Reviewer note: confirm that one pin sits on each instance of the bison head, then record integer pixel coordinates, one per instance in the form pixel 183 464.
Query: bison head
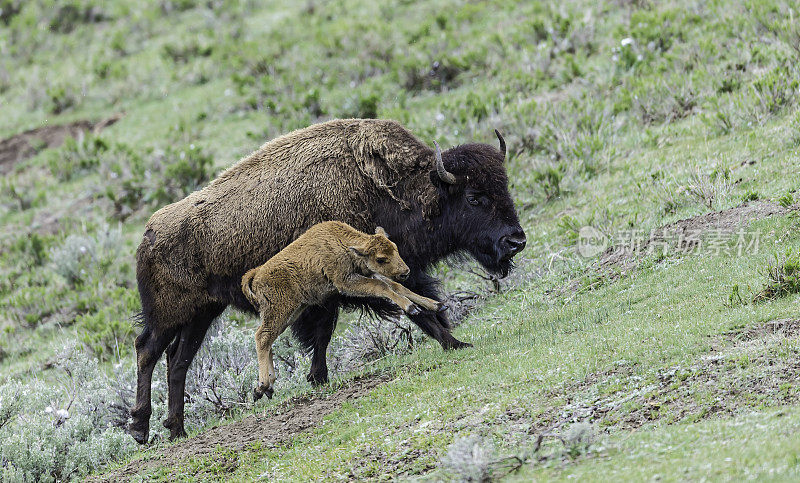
pixel 476 208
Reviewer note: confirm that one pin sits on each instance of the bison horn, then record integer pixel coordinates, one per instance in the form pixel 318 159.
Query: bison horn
pixel 502 143
pixel 444 175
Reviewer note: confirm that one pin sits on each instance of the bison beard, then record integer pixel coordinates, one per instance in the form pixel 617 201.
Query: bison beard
pixel 362 172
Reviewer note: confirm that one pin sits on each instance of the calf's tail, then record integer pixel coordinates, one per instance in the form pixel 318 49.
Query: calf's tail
pixel 247 287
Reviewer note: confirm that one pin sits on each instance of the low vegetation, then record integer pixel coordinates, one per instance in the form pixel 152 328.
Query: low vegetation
pixel 783 277
pixel 620 117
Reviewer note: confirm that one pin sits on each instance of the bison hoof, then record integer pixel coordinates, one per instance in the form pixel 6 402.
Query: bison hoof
pixel 261 391
pixel 413 309
pixel 175 427
pixel 317 379
pixel 139 434
pixel 457 344
pixel 175 433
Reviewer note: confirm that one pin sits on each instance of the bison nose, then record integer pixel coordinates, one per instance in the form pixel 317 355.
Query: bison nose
pixel 515 242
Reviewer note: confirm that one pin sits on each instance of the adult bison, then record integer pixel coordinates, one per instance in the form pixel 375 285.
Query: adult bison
pixel 366 173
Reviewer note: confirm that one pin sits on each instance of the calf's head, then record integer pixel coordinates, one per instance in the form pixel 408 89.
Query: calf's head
pixel 477 212
pixel 379 255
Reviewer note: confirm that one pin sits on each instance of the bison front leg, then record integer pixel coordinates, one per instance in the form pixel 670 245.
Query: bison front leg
pixel 314 328
pixel 434 325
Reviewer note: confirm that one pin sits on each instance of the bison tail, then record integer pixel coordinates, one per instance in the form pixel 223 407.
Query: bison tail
pixel 138 319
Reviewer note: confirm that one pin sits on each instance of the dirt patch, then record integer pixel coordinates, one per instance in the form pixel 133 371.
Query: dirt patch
pixel 24 145
pixel 785 327
pixel 746 369
pixel 712 231
pixel 271 430
pixel 686 235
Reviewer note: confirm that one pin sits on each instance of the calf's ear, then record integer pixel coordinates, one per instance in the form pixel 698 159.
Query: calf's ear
pixel 358 251
pixel 380 231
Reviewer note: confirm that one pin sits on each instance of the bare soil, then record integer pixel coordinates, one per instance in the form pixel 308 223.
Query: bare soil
pixel 270 429
pixel 24 145
pixel 684 235
pixel 744 370
pixel 784 327
pixel 674 239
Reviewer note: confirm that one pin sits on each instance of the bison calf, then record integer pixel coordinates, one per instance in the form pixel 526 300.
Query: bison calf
pixel 330 257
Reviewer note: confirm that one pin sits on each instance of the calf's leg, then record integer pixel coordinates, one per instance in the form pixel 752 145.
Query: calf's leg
pixel 425 302
pixel 265 337
pixel 360 286
pixel 274 321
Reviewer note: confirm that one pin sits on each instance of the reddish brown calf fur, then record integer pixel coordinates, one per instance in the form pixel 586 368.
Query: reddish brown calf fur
pixel 330 257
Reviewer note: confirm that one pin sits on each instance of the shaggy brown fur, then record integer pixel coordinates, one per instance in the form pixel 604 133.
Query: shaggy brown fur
pixel 222 231
pixel 330 257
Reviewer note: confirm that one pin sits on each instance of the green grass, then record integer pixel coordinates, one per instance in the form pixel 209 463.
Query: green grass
pixel 720 449
pixel 697 112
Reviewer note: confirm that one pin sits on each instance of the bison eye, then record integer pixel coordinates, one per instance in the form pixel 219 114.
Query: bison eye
pixel 474 199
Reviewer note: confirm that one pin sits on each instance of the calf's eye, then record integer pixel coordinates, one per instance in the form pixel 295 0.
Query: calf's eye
pixel 382 260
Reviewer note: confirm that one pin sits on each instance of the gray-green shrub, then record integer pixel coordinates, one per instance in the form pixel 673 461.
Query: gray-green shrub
pixel 76 156
pixel 59 431
pixel 577 439
pixel 82 257
pixel 469 458
pixel 223 373
pixel 783 277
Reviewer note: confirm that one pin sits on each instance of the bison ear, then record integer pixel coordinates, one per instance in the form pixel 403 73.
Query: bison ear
pixel 380 231
pixel 358 251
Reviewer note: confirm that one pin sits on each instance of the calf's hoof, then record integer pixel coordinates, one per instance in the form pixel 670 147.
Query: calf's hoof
pixel 442 307
pixel 262 390
pixel 413 309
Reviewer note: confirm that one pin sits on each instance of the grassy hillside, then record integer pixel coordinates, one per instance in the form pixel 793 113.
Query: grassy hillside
pixel 676 359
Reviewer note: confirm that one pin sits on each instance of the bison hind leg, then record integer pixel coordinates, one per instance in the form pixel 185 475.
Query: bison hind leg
pixel 179 358
pixel 150 344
